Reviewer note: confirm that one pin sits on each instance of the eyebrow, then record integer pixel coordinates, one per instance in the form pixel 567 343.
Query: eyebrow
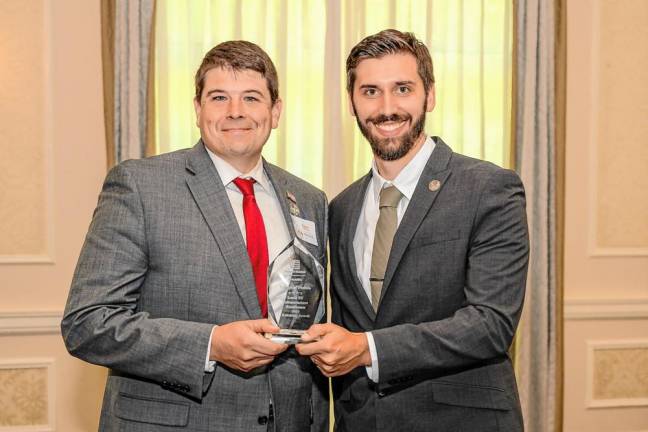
pixel 210 92
pixel 397 83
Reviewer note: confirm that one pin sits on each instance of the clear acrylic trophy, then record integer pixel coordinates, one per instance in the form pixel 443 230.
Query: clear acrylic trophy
pixel 296 284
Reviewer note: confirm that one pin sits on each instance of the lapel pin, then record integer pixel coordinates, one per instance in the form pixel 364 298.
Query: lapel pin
pixel 292 204
pixel 434 185
pixel 294 210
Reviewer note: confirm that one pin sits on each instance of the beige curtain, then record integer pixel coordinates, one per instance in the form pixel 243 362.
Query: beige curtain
pixel 538 148
pixel 127 42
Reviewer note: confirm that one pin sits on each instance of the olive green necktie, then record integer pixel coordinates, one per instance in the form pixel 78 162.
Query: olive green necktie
pixel 385 230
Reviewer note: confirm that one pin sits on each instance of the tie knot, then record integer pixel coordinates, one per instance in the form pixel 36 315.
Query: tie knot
pixel 246 186
pixel 390 196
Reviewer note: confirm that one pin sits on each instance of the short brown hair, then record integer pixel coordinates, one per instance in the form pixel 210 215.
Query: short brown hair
pixel 239 55
pixel 390 41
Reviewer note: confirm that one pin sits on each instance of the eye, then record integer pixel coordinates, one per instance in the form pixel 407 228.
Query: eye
pixel 250 99
pixel 218 98
pixel 370 92
pixel 403 90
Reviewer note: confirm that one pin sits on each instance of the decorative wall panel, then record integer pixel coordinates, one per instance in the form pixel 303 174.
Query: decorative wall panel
pixel 26 395
pixel 618 373
pixel 24 154
pixel 621 159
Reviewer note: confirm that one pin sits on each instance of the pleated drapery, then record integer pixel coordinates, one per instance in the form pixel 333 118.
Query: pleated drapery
pixel 128 35
pixel 538 158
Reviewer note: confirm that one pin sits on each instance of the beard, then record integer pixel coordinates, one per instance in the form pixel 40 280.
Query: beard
pixel 391 149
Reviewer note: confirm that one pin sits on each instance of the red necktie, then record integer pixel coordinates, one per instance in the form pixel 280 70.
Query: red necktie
pixel 257 243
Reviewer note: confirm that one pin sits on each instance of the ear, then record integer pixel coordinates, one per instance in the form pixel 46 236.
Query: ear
pixel 276 113
pixel 431 99
pixel 350 103
pixel 197 108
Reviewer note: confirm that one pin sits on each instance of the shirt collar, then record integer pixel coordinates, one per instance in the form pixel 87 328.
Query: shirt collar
pixel 408 178
pixel 228 173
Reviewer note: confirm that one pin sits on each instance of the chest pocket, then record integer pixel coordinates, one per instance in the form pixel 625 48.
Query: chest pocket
pixel 431 237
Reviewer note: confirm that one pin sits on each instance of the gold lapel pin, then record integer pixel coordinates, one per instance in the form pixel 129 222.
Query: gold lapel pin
pixel 434 185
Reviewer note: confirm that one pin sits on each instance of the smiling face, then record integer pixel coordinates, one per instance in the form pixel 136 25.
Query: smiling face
pixel 235 115
pixel 389 102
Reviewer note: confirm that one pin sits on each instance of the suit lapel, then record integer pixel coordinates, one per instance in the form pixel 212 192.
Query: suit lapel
pixel 348 233
pixel 419 206
pixel 211 197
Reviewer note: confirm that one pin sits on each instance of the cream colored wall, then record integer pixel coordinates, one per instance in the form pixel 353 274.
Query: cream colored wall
pixel 606 225
pixel 52 163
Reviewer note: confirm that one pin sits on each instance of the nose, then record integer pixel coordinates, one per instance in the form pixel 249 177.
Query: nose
pixel 235 108
pixel 388 103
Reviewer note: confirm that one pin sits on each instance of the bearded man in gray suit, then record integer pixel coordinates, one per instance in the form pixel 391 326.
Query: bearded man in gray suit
pixel 429 256
pixel 169 291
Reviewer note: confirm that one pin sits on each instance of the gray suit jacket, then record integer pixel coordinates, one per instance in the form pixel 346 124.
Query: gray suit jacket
pixel 164 260
pixel 450 304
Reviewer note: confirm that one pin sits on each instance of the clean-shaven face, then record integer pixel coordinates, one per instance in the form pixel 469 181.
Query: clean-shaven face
pixel 235 113
pixel 390 103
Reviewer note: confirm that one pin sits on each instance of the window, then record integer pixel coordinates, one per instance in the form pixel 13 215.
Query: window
pixel 470 43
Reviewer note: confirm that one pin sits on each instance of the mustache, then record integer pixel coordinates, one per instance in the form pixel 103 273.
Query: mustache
pixel 382 118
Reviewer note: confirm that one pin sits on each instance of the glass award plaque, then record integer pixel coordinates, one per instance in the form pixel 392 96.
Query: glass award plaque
pixel 296 286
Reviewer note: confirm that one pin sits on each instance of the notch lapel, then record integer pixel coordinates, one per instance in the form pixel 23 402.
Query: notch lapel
pixel 346 241
pixel 422 200
pixel 211 197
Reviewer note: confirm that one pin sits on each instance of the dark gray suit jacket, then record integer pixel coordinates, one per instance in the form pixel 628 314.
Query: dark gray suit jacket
pixel 450 304
pixel 164 260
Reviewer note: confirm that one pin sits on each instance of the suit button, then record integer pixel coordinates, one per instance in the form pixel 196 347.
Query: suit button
pixel 263 420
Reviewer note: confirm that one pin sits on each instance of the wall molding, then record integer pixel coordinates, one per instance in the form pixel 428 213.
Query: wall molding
pixel 28 259
pixel 30 322
pixel 594 249
pixel 601 345
pixel 47 256
pixel 605 309
pixel 36 363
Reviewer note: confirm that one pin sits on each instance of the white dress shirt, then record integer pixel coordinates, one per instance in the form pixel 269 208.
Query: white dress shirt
pixel 266 197
pixel 363 239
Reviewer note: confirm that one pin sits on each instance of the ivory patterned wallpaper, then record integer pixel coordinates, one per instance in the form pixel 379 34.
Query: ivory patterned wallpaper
pixel 23 396
pixel 621 373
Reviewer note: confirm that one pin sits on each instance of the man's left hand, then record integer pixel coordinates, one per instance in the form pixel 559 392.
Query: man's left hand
pixel 335 350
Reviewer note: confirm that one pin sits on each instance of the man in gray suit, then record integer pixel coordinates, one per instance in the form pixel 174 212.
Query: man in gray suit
pixel 429 255
pixel 170 288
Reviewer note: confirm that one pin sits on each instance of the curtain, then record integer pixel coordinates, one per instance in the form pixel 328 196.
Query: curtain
pixel 538 151
pixel 127 41
pixel 317 139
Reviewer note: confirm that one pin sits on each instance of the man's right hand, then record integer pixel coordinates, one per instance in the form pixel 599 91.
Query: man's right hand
pixel 241 344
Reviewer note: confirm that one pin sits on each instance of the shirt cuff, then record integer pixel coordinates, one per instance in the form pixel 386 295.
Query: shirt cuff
pixel 372 371
pixel 210 365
